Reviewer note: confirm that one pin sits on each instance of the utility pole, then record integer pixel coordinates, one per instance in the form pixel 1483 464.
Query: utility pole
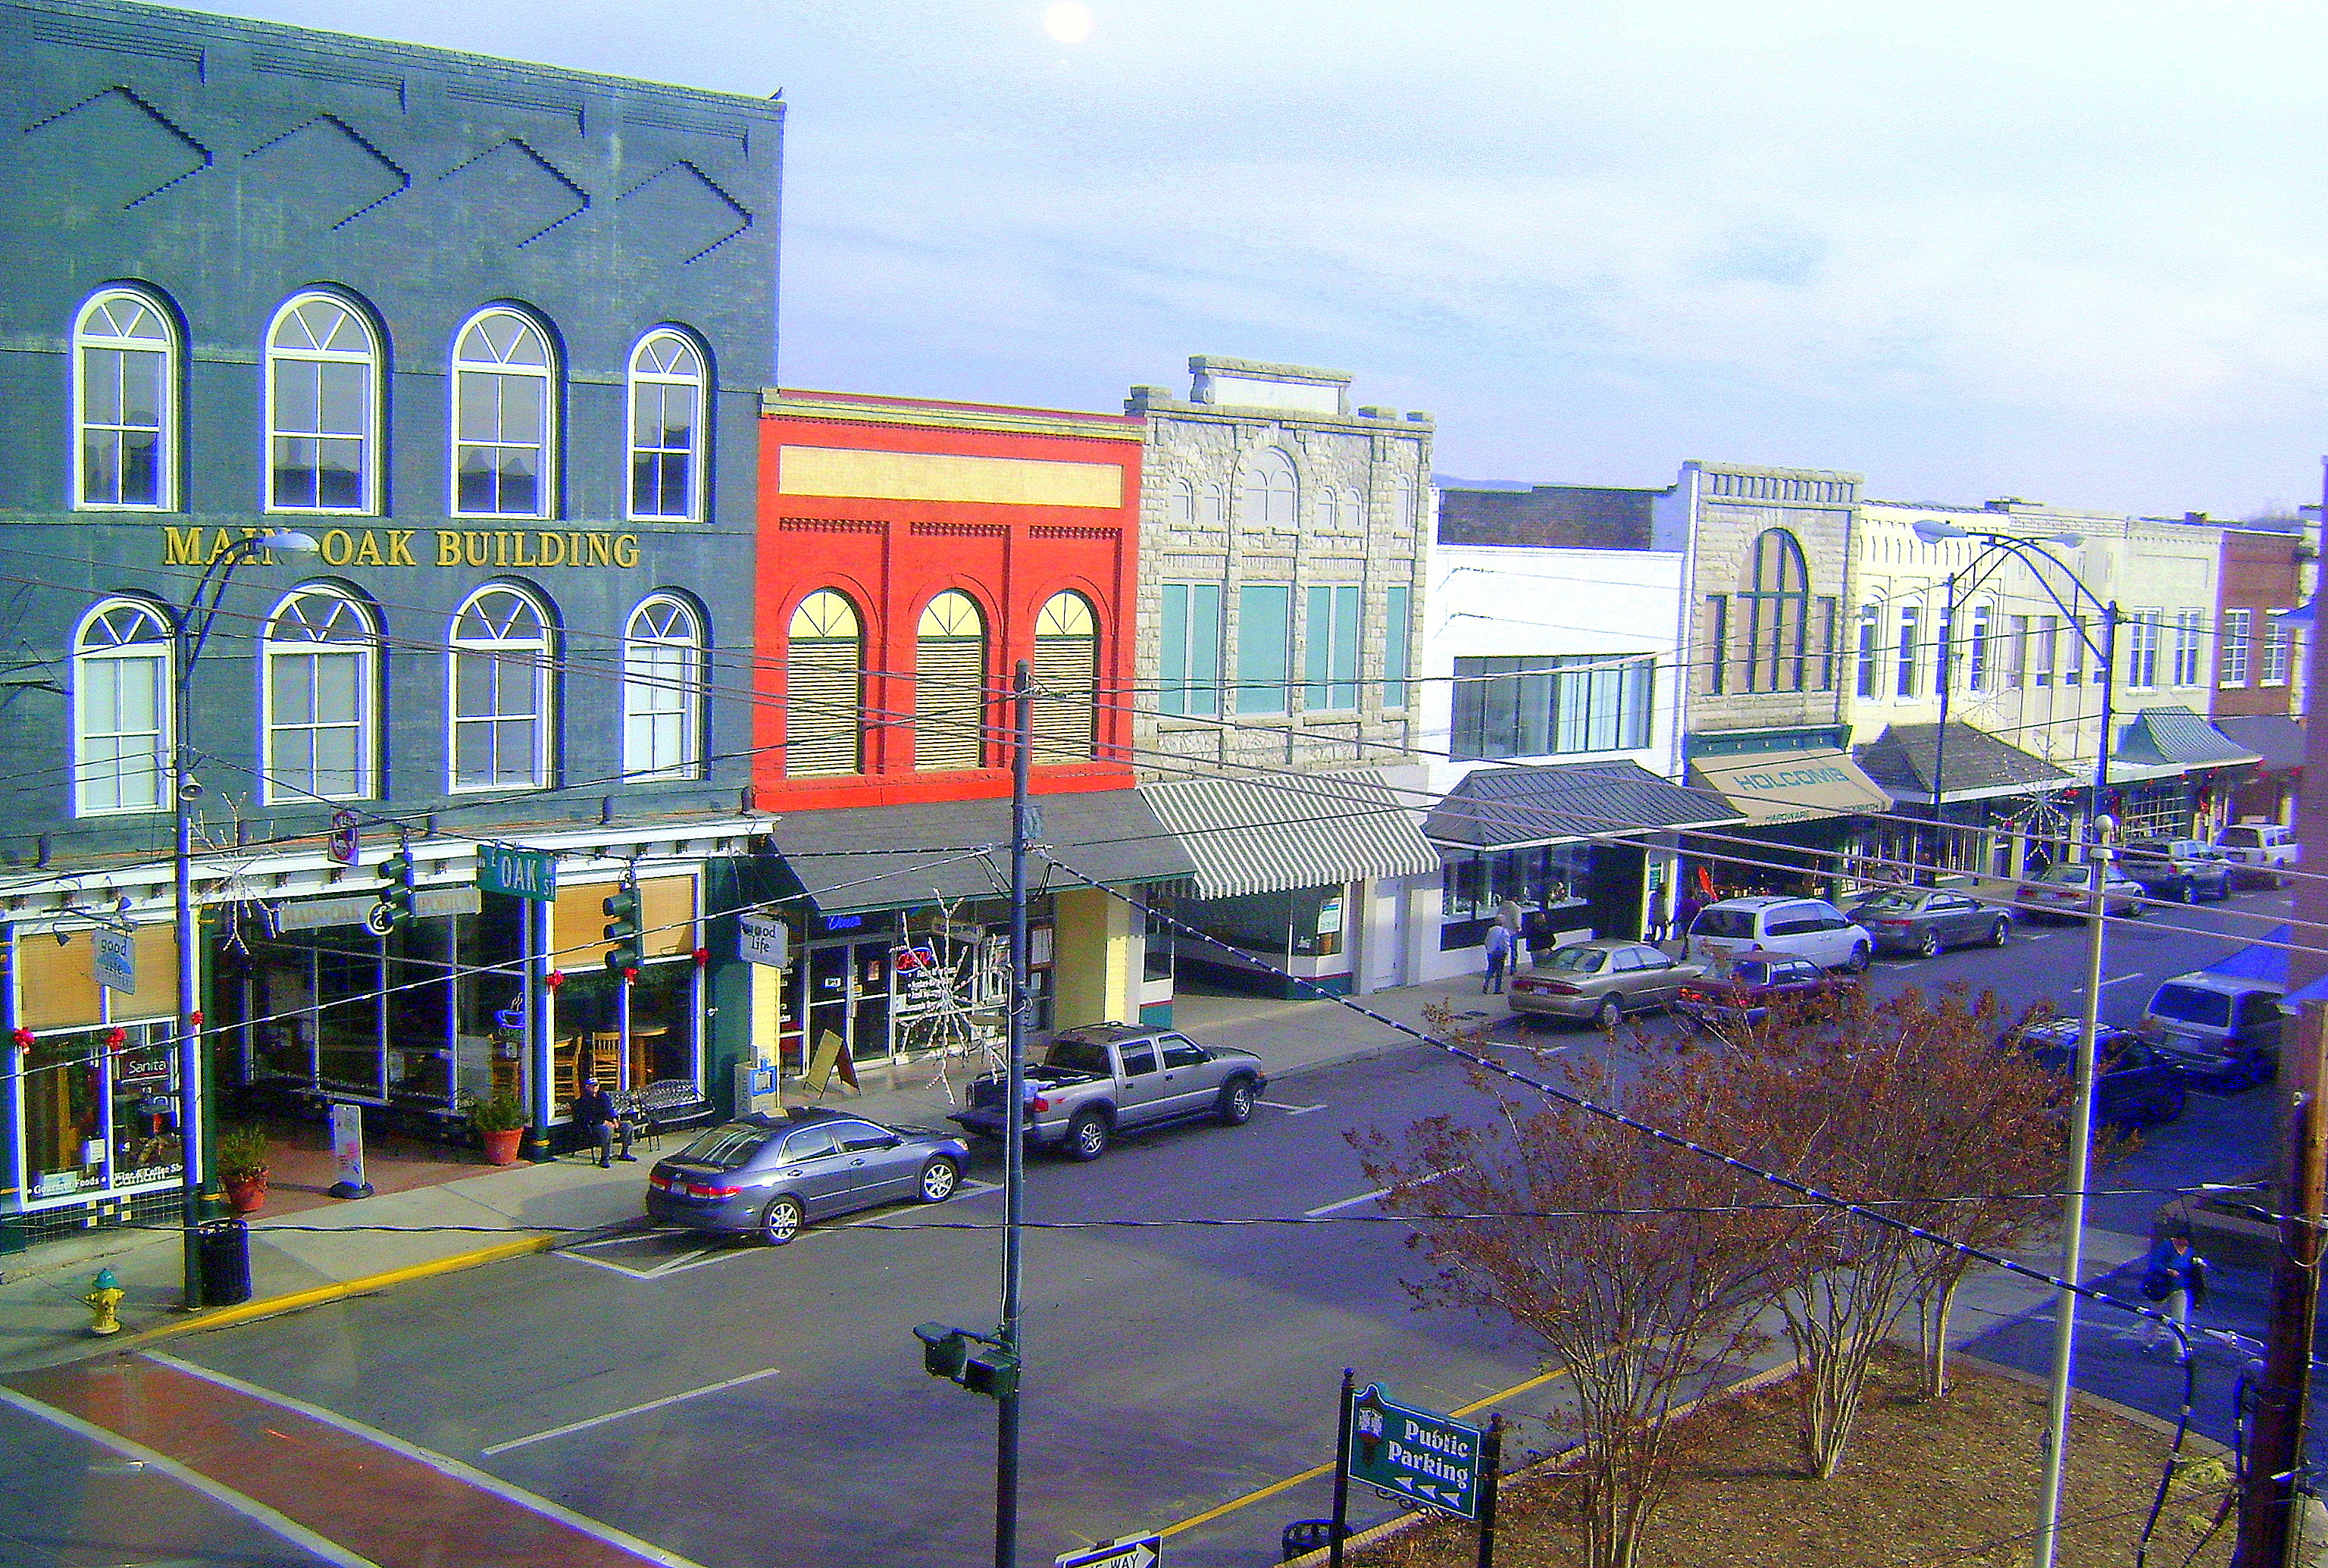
pixel 1014 1140
pixel 2268 1495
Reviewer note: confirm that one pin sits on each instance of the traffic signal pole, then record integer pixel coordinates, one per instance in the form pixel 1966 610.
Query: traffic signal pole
pixel 1014 1142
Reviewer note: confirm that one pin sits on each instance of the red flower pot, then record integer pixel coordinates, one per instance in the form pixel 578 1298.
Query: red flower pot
pixel 501 1147
pixel 246 1194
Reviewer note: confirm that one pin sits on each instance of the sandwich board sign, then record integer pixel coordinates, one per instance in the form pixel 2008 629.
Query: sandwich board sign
pixel 1414 1454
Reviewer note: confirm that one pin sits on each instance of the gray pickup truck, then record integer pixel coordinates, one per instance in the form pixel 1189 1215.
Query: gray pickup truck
pixel 1103 1079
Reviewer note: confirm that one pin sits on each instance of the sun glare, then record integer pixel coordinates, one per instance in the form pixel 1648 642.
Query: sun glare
pixel 1068 21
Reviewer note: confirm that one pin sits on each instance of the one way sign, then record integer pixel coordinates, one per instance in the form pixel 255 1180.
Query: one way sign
pixel 1131 1551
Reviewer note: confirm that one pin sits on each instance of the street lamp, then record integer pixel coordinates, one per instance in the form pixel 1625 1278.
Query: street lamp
pixel 2081 1113
pixel 193 634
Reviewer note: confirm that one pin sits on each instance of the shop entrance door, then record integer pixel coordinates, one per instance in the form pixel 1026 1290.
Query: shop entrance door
pixel 849 996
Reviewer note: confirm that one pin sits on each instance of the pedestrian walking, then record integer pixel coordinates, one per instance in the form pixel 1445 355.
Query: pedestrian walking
pixel 1685 908
pixel 2173 1278
pixel 1500 953
pixel 601 1124
pixel 1511 917
pixel 1654 927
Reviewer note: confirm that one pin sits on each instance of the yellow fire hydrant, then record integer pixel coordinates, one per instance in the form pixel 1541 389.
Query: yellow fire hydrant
pixel 104 1299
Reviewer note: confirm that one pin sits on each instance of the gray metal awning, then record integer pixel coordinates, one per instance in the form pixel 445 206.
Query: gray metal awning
pixel 2178 739
pixel 1266 835
pixel 854 859
pixel 1510 808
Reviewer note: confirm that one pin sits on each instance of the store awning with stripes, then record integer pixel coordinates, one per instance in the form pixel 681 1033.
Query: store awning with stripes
pixel 1288 831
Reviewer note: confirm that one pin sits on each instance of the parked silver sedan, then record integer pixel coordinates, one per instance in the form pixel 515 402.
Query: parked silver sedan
pixel 1598 982
pixel 2061 895
pixel 771 1175
pixel 1924 920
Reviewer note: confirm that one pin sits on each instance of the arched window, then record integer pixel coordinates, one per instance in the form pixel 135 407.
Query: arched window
pixel 1182 504
pixel 504 418
pixel 666 429
pixel 1066 676
pixel 824 686
pixel 322 402
pixel 1272 496
pixel 501 691
pixel 125 403
pixel 1776 609
pixel 663 691
pixel 321 653
pixel 122 711
pixel 950 684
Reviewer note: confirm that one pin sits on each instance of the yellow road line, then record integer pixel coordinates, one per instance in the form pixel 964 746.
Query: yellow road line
pixel 1270 1490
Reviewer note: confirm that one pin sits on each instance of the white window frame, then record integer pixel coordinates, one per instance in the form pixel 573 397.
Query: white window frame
pixel 2189 638
pixel 467 372
pixel 509 655
pixel 345 612
pixel 1270 495
pixel 2144 628
pixel 166 488
pixel 2279 652
pixel 2238 636
pixel 370 358
pixel 159 651
pixel 697 380
pixel 662 624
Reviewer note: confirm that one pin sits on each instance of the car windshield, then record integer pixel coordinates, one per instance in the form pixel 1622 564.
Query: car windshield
pixel 2241 838
pixel 1894 903
pixel 1723 923
pixel 725 1147
pixel 2188 1004
pixel 1079 1057
pixel 1577 960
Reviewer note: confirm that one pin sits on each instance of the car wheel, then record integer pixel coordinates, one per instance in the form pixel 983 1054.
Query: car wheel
pixel 1608 1014
pixel 1088 1136
pixel 2190 890
pixel 781 1221
pixel 2171 1110
pixel 2000 933
pixel 939 1176
pixel 1237 1097
pixel 1928 945
pixel 1859 960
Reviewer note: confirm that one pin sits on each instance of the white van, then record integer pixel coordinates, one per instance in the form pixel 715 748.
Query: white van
pixel 2260 853
pixel 1809 928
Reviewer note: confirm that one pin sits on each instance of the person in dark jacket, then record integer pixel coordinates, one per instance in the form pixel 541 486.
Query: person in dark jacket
pixel 601 1124
pixel 2174 1278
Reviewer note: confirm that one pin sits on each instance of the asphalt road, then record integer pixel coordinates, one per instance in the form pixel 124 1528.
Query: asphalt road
pixel 741 1406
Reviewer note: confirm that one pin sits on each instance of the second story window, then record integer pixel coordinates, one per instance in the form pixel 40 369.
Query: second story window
pixel 124 404
pixel 824 689
pixel 662 691
pixel 1331 652
pixel 1870 628
pixel 666 429
pixel 1264 647
pixel 2279 652
pixel 501 662
pixel 323 379
pixel 122 710
pixel 319 649
pixel 1067 672
pixel 1189 645
pixel 950 685
pixel 2142 630
pixel 1272 496
pixel 2188 638
pixel 1911 655
pixel 2238 627
pixel 504 418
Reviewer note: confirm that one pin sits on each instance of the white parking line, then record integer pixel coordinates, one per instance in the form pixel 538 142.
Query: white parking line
pixel 1346 1203
pixel 573 1426
pixel 2114 980
pixel 1291 1110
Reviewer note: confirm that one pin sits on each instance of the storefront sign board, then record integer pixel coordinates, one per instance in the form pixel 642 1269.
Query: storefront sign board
pixel 320 914
pixel 1414 1454
pixel 759 940
pixel 115 955
pixel 348 1150
pixel 520 873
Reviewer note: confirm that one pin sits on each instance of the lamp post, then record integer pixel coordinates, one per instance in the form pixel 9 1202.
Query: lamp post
pixel 2082 1111
pixel 193 634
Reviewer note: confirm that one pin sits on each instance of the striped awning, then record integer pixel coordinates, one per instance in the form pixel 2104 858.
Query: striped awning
pixel 1267 835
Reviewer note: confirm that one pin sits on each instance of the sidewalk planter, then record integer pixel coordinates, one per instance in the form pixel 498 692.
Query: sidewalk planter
pixel 242 1167
pixel 246 1194
pixel 501 1121
pixel 500 1145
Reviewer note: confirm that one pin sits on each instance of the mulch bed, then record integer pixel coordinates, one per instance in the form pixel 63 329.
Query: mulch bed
pixel 1950 1484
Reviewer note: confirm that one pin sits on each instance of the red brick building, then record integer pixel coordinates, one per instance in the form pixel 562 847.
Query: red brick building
pixel 2260 667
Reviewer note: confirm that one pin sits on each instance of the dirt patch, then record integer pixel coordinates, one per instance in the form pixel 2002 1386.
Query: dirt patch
pixel 1951 1484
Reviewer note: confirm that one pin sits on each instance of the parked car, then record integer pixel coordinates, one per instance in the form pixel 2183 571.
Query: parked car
pixel 1924 920
pixel 1809 928
pixel 2220 1030
pixel 1103 1079
pixel 2061 894
pixel 2134 1086
pixel 2264 852
pixel 2179 870
pixel 1601 981
pixel 774 1174
pixel 1756 982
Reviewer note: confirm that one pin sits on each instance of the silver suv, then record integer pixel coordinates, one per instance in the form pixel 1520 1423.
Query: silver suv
pixel 1809 928
pixel 2263 852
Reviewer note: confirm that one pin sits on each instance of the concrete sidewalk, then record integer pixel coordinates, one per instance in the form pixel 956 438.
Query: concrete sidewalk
pixel 320 1254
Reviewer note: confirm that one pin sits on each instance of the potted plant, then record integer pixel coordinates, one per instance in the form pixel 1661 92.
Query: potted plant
pixel 501 1121
pixel 242 1167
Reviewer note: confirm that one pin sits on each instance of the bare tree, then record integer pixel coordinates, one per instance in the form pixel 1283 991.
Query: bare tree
pixel 1643 1297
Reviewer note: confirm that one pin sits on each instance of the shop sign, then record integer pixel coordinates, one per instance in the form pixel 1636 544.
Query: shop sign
pixel 1414 1454
pixel 56 1183
pixel 763 941
pixel 530 549
pixel 141 1069
pixel 519 873
pixel 1329 917
pixel 319 914
pixel 116 958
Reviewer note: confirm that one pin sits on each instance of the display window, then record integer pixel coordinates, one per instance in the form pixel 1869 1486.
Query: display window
pixel 99 1111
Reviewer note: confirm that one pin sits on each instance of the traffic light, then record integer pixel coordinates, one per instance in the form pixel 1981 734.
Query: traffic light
pixel 402 876
pixel 621 907
pixel 990 1369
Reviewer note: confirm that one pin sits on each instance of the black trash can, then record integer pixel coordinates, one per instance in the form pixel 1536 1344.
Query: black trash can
pixel 1303 1536
pixel 223 1249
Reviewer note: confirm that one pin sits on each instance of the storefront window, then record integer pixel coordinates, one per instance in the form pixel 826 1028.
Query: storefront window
pixel 99 1111
pixel 588 1025
pixel 1473 882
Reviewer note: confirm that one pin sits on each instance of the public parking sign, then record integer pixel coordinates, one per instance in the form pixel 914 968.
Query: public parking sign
pixel 1131 1551
pixel 1414 1454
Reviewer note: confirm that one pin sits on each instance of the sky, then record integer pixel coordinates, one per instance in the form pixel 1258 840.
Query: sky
pixel 2065 251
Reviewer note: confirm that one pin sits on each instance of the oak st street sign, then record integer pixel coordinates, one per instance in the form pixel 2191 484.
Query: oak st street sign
pixel 1414 1454
pixel 520 873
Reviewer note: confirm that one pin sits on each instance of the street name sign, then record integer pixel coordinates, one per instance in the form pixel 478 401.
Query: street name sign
pixel 1131 1551
pixel 1414 1454
pixel 520 873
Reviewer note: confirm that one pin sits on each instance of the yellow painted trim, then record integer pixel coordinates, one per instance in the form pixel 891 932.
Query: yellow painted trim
pixel 1270 1490
pixel 778 405
pixel 858 473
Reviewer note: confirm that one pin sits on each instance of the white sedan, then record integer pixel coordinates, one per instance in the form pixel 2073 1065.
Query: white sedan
pixel 2062 892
